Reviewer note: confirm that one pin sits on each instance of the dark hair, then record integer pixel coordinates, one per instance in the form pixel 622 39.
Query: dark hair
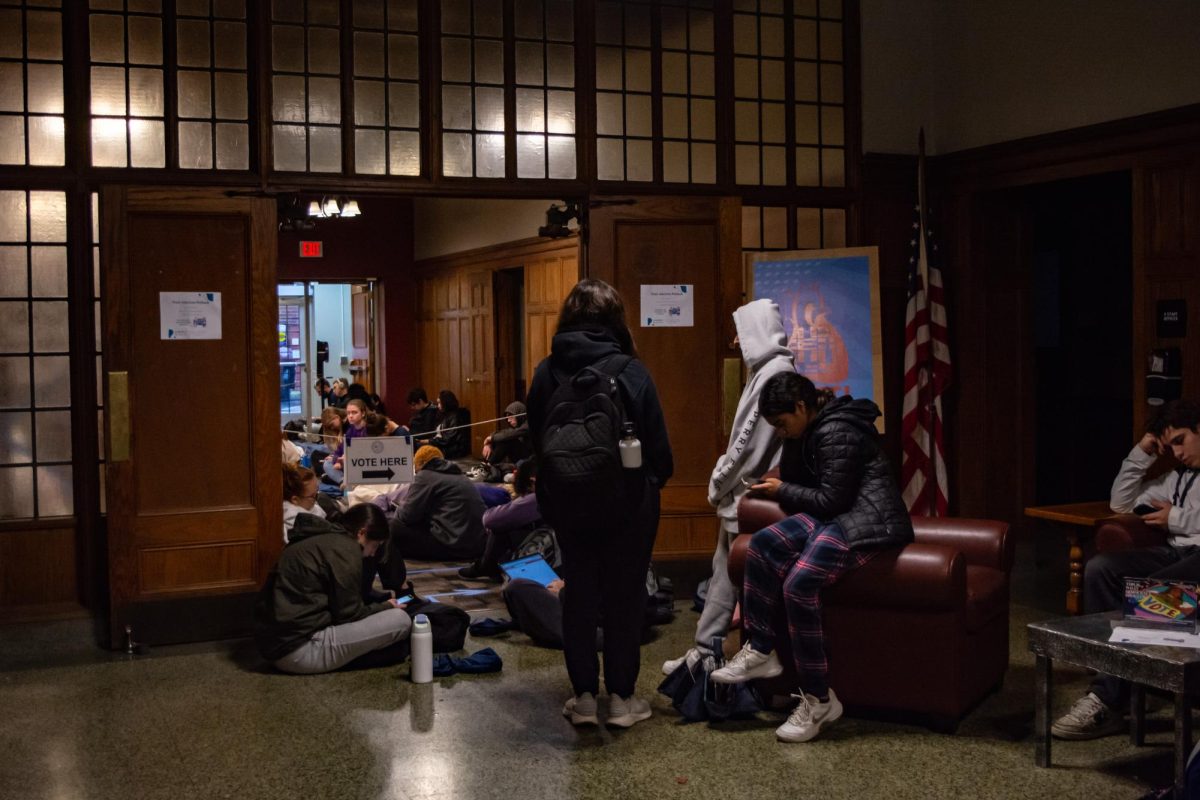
pixel 1176 414
pixel 595 304
pixel 784 390
pixel 365 515
pixel 294 478
pixel 523 479
pixel 417 395
pixel 322 385
pixel 376 424
pixel 448 400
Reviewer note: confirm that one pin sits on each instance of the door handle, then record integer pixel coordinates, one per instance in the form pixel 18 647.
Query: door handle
pixel 118 416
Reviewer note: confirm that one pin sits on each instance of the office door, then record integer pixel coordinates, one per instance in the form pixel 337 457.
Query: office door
pixel 194 483
pixel 693 241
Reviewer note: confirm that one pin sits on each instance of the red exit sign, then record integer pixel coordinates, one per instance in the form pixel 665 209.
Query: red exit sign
pixel 311 250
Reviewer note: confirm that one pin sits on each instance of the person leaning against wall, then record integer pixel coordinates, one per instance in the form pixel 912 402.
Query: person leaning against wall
pixel 605 550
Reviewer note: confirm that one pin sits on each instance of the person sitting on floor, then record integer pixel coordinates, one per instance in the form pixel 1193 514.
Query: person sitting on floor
pixel 837 485
pixel 424 415
pixel 510 443
pixel 356 426
pixel 310 617
pixel 441 518
pixel 1169 503
pixel 300 492
pixel 453 433
pixel 507 524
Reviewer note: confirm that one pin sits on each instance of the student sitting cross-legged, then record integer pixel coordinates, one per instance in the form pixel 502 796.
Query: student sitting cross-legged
pixel 309 616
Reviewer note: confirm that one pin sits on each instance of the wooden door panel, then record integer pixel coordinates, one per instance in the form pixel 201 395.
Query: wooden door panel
pixel 194 513
pixel 693 241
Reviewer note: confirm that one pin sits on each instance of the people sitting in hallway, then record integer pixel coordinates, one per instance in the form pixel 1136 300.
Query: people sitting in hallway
pixel 441 517
pixel 300 492
pixel 453 432
pixel 324 390
pixel 510 443
pixel 310 617
pixel 1169 503
pixel 356 426
pixel 424 415
pixel 837 485
pixel 505 525
pixel 333 421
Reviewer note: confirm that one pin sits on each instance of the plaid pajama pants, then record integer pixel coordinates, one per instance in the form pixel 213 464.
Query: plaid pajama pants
pixel 791 562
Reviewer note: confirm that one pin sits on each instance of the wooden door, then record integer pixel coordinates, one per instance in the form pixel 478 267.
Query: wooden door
pixel 194 484
pixel 478 338
pixel 693 241
pixel 548 281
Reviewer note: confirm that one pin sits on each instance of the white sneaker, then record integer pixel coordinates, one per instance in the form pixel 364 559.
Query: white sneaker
pixel 1089 718
pixel 748 665
pixel 623 712
pixel 806 720
pixel 581 710
pixel 692 657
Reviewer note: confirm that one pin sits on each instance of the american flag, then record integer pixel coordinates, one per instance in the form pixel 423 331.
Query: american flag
pixel 926 369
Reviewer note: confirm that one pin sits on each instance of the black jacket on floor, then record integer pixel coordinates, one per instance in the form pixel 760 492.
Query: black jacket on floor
pixel 444 502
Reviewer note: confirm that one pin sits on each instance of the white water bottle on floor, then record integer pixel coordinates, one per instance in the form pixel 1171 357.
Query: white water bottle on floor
pixel 422 650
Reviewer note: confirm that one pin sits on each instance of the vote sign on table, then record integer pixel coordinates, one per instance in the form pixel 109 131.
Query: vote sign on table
pixel 382 459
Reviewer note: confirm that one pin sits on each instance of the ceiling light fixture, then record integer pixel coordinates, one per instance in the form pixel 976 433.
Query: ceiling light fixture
pixel 332 206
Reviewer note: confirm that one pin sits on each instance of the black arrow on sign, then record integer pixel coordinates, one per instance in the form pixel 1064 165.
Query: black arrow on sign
pixel 378 473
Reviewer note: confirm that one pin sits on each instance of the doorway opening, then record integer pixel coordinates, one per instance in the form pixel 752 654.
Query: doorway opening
pixel 326 331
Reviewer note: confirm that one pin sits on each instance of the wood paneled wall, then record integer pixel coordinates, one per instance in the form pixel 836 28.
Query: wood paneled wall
pixel 457 318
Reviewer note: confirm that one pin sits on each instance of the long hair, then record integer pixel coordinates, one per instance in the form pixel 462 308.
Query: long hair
pixel 784 390
pixel 366 516
pixel 449 402
pixel 595 304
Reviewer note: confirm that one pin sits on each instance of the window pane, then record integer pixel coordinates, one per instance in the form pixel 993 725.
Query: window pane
pixel 14 333
pixel 14 382
pixel 16 432
pixel 562 157
pixel 52 381
pixel 53 436
pixel 489 155
pixel 16 493
pixel 456 154
pixel 13 281
pixel 49 271
pixel 489 109
pixel 231 95
pixel 55 492
pixel 325 149
pixel 195 145
pixel 46 141
pixel 404 153
pixel 192 44
pixel 50 333
pixel 289 142
pixel 370 152
pixel 369 103
pixel 233 146
pixel 47 217
pixel 195 95
pixel 531 112
pixel 531 156
pixel 147 147
pixel 45 88
pixel 146 92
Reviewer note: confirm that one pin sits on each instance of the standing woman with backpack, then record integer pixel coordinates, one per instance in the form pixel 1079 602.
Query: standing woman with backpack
pixel 604 514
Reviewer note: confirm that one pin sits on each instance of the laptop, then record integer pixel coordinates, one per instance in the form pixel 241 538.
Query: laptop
pixel 531 568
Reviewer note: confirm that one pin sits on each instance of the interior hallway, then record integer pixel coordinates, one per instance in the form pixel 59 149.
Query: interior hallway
pixel 209 721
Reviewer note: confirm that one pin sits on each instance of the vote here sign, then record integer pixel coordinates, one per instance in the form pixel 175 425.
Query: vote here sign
pixel 383 459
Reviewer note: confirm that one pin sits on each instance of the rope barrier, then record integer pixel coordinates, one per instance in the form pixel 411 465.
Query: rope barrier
pixel 310 434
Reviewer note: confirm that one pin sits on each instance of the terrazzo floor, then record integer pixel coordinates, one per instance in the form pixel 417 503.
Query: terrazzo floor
pixel 210 721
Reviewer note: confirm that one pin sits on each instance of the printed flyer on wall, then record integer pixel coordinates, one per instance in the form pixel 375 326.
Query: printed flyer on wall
pixel 189 315
pixel 668 305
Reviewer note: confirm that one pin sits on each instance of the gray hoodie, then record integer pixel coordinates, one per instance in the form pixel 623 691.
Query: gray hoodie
pixel 753 447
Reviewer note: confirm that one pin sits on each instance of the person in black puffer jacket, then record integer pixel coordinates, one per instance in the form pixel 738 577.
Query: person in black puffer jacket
pixel 837 484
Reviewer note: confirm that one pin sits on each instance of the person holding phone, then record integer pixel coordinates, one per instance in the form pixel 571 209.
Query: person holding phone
pixel 1169 502
pixel 752 450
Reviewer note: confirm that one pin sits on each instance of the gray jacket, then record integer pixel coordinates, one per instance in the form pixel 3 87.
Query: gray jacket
pixel 444 502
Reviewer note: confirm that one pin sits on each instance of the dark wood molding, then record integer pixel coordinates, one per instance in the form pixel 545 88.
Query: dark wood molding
pixel 496 256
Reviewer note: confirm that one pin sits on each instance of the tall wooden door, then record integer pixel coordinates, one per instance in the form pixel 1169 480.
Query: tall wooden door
pixel 478 355
pixel 696 241
pixel 194 484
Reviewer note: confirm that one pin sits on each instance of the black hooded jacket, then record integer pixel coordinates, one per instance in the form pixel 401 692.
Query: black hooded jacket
pixel 446 503
pixel 837 472
pixel 316 583
pixel 571 351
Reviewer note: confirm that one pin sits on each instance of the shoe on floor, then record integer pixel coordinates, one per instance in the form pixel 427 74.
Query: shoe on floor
pixel 748 665
pixel 806 719
pixel 1089 718
pixel 581 710
pixel 692 657
pixel 624 712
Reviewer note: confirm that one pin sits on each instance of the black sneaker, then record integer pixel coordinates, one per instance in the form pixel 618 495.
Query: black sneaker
pixel 476 572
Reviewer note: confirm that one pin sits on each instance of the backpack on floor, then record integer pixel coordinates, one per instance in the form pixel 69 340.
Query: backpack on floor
pixel 580 477
pixel 540 541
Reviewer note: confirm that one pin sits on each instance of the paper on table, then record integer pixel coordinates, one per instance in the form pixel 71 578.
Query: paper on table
pixel 1169 638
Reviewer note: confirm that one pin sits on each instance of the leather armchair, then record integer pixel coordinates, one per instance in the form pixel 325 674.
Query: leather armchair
pixel 919 629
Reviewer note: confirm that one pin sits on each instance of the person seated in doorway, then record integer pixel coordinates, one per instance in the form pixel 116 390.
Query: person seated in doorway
pixel 1169 503
pixel 309 616
pixel 423 419
pixel 453 432
pixel 441 517
pixel 510 443
pixel 845 506
pixel 300 493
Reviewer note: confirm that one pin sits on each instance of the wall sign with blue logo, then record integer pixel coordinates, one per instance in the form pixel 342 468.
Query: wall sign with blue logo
pixel 189 315
pixel 668 305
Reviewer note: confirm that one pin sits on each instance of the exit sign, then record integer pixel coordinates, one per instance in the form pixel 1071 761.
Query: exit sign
pixel 311 250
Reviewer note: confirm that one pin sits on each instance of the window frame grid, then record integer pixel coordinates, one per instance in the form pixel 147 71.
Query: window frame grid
pixel 514 86
pixel 23 9
pixel 387 81
pixel 688 7
pixel 307 74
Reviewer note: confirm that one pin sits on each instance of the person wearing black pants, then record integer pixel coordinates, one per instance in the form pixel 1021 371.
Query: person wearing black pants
pixel 604 562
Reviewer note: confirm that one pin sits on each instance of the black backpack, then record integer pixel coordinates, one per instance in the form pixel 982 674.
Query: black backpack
pixel 580 479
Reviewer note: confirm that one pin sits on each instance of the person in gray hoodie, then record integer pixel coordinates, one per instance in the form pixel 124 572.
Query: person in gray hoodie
pixel 753 450
pixel 441 518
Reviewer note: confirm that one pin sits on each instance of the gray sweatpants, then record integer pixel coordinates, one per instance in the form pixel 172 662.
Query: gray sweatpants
pixel 336 646
pixel 722 595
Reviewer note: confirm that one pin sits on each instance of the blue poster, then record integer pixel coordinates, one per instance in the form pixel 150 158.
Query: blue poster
pixel 827 314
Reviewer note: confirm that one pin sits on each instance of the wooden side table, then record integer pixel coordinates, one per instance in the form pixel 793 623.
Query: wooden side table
pixel 1075 519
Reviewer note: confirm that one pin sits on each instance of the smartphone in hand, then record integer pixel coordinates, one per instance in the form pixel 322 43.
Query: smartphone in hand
pixel 748 482
pixel 408 598
pixel 1143 509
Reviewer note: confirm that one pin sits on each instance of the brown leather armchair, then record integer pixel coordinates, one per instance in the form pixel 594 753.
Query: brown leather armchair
pixel 919 629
